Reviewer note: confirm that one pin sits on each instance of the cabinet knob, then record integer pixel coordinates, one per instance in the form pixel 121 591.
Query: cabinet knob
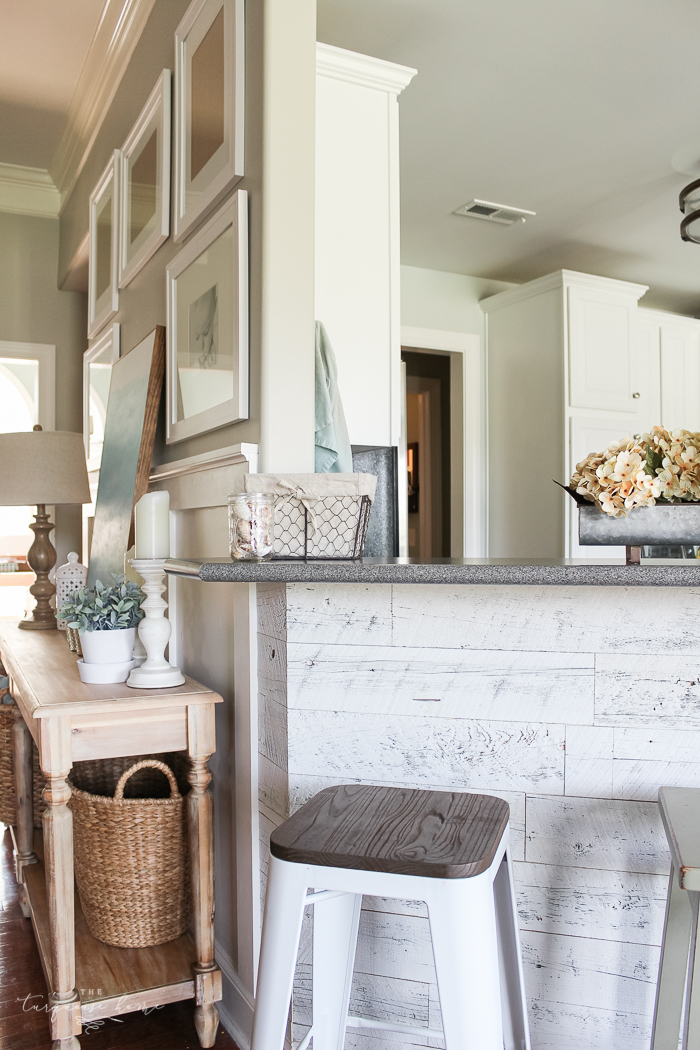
pixel 636 395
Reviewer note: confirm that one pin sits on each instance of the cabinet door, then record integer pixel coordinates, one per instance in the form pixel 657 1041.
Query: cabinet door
pixel 680 377
pixel 646 377
pixel 592 435
pixel 601 349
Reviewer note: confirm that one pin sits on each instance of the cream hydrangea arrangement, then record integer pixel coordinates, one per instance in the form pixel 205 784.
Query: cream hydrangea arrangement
pixel 636 472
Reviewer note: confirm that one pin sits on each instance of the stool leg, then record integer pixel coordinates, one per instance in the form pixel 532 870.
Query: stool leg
pixel 336 922
pixel 691 1021
pixel 463 928
pixel 284 911
pixel 516 1032
pixel 673 965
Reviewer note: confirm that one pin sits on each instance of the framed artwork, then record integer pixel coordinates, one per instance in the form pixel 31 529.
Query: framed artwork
pixel 97 373
pixel 103 262
pixel 145 183
pixel 207 310
pixel 209 108
pixel 130 429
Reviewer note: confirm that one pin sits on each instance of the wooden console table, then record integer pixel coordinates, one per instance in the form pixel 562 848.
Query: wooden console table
pixel 70 722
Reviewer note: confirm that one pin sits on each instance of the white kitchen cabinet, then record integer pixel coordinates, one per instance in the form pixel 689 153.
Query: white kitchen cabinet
pixel 564 365
pixel 674 346
pixel 592 434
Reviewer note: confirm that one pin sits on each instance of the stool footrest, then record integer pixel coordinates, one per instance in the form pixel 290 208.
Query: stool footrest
pixel 386 1026
pixel 323 895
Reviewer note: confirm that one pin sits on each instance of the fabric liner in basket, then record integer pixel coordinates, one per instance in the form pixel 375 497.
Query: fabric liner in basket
pixel 318 515
pixel 131 856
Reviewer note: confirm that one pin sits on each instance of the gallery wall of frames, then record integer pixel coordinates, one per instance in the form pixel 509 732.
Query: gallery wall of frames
pixel 171 179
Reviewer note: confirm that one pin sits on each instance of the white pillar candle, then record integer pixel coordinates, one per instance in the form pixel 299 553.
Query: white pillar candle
pixel 152 525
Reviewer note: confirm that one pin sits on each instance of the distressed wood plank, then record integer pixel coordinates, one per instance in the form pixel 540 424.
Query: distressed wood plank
pixel 382 998
pixel 444 683
pixel 554 1026
pixel 550 619
pixel 577 971
pixel 587 902
pixel 272 609
pixel 589 760
pixel 641 780
pixel 456 753
pixel 596 833
pixel 346 613
pixel 646 691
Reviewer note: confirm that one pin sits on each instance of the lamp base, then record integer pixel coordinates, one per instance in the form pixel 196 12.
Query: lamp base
pixel 41 558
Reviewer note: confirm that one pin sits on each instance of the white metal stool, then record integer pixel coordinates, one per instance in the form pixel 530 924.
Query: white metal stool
pixel 447 849
pixel 680 949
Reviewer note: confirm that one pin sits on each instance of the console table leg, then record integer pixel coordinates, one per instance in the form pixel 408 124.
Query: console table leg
pixel 201 828
pixel 64 1004
pixel 24 786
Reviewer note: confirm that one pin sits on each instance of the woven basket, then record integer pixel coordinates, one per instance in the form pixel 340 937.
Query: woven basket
pixel 131 856
pixel 8 795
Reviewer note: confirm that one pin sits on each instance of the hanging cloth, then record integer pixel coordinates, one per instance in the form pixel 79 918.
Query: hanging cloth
pixel 333 454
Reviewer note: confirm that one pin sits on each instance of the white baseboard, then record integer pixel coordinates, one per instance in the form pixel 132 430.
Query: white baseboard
pixel 238 1020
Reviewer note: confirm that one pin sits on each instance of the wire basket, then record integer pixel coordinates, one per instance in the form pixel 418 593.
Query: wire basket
pixel 335 528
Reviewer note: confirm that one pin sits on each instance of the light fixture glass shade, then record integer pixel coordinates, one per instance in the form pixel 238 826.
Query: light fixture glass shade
pixel 42 466
pixel 689 203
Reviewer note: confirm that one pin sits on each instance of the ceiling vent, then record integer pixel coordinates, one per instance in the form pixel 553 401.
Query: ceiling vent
pixel 493 212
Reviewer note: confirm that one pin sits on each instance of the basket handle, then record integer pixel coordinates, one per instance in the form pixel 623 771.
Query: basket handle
pixel 119 790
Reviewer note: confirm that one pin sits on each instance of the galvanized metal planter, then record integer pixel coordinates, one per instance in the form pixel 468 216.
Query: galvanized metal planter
pixel 676 524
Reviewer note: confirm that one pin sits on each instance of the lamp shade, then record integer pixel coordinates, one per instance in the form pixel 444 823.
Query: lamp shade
pixel 42 466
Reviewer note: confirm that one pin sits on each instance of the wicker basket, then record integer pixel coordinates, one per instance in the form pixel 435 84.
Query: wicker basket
pixel 131 855
pixel 8 795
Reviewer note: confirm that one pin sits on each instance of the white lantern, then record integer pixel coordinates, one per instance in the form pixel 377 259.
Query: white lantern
pixel 69 578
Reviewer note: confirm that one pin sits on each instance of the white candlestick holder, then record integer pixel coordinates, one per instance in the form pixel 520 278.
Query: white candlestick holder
pixel 154 630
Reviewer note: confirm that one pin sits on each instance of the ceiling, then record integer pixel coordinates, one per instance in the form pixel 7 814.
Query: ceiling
pixel 43 44
pixel 571 109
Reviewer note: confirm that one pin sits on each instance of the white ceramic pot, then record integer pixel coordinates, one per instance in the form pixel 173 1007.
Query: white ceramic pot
pixel 108 647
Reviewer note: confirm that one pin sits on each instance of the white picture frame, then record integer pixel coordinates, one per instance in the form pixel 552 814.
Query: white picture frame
pixel 103 352
pixel 103 261
pixel 216 253
pixel 212 85
pixel 148 144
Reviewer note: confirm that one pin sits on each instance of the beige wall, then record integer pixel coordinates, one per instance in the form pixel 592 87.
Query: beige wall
pixel 33 310
pixel 142 303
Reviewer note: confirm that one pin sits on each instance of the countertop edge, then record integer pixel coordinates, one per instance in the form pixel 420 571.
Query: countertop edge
pixel 439 572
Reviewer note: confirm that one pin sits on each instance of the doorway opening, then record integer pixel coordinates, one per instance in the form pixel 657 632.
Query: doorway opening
pixel 428 439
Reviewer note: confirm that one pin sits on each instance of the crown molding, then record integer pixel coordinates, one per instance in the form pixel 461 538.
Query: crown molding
pixel 353 68
pixel 28 191
pixel 561 279
pixel 116 36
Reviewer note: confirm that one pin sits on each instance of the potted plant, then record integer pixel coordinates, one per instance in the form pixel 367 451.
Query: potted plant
pixel 106 618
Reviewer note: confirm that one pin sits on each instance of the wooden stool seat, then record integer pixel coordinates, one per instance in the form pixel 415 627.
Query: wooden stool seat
pixel 434 834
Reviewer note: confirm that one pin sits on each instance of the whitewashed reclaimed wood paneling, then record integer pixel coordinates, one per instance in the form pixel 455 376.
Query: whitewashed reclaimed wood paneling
pixel 596 833
pixel 588 902
pixel 455 753
pixel 342 613
pixel 549 619
pixel 572 703
pixel 588 768
pixel 646 690
pixel 447 683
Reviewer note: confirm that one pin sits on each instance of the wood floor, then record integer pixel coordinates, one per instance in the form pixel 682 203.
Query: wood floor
pixel 23 1017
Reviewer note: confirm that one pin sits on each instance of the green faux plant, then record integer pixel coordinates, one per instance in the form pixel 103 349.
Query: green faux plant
pixel 101 608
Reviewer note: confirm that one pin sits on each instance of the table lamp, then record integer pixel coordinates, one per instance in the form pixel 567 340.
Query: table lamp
pixel 37 468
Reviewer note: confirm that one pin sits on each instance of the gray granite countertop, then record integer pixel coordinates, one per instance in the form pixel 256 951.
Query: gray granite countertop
pixel 443 570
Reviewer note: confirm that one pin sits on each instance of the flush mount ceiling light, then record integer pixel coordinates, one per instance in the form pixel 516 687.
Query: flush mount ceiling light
pixel 689 203
pixel 493 212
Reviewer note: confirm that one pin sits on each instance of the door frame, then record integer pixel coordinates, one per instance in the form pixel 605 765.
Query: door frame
pixel 467 432
pixel 45 354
